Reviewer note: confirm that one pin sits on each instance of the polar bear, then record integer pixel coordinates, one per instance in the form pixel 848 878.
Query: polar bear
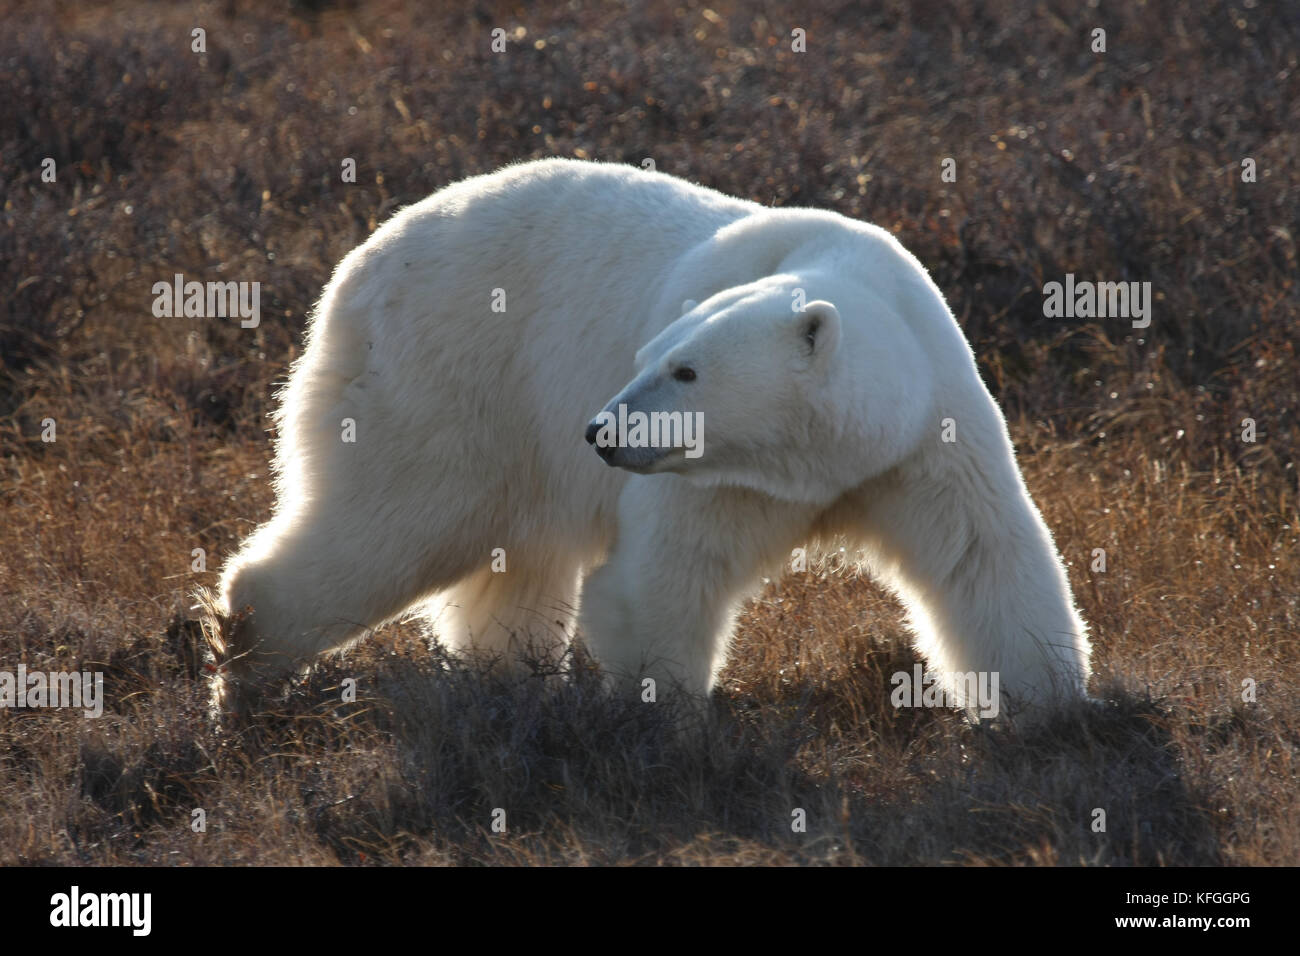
pixel 432 453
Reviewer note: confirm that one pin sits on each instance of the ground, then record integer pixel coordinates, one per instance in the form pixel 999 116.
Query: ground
pixel 1123 165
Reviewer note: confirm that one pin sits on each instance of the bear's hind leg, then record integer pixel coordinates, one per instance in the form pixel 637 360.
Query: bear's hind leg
pixel 315 581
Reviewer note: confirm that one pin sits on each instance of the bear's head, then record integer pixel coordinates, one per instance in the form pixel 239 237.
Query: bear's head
pixel 745 388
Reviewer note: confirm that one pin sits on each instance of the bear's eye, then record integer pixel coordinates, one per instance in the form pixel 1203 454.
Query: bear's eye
pixel 684 374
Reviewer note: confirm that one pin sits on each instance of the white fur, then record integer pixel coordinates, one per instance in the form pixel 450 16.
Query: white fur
pixel 470 424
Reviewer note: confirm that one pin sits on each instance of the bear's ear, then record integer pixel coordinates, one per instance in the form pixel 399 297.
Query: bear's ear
pixel 818 327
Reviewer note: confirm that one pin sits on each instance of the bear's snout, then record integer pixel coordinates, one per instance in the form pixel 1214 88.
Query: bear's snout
pixel 606 452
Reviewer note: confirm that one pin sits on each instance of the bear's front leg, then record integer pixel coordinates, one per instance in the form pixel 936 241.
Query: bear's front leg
pixel 684 558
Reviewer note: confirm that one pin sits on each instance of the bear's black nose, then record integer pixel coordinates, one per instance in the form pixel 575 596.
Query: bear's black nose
pixel 606 452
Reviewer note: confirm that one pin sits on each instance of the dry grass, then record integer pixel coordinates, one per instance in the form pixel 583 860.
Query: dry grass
pixel 1120 167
